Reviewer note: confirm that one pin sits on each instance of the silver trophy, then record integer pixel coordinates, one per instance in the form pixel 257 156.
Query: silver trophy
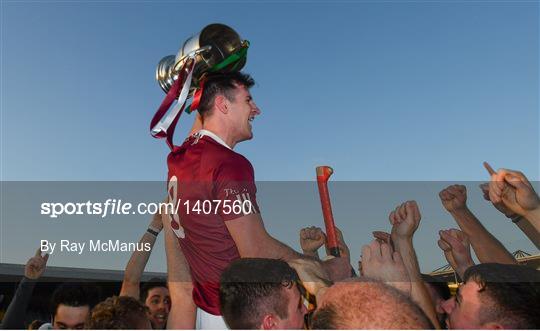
pixel 217 48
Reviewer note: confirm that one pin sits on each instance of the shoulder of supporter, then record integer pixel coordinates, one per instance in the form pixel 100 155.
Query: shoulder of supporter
pixel 235 167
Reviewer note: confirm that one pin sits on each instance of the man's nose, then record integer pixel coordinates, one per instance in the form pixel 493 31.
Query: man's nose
pixel 256 109
pixel 163 305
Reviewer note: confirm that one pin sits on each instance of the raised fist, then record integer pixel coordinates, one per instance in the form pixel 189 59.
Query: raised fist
pixel 454 198
pixel 405 220
pixel 457 249
pixel 311 239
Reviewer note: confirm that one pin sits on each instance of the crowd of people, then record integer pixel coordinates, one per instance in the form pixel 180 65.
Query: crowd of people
pixel 225 270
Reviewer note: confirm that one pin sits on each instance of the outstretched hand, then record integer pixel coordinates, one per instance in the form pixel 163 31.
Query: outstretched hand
pixel 36 265
pixel 405 220
pixel 381 262
pixel 383 237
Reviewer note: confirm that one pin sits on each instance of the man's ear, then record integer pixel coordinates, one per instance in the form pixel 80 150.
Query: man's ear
pixel 221 103
pixel 269 322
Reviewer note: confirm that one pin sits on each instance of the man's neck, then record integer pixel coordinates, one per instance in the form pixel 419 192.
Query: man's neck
pixel 221 132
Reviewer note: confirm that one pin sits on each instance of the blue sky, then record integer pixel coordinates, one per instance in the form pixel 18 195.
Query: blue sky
pixel 381 91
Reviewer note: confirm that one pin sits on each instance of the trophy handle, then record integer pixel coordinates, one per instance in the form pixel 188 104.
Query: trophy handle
pixel 177 66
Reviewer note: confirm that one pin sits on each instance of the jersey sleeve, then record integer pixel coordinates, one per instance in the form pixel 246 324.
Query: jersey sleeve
pixel 235 189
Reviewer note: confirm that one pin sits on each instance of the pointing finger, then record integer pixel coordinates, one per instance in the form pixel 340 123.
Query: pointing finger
pixel 489 168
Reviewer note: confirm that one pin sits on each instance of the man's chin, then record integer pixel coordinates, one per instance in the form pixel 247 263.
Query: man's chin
pixel 247 137
pixel 158 325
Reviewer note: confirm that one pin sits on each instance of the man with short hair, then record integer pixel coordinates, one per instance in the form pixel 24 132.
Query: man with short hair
pixel 495 296
pixel 218 218
pixel 258 293
pixel 71 305
pixel 119 313
pixel 367 304
pixel 155 295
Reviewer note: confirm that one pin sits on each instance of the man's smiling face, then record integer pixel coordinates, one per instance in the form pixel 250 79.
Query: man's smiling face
pixel 243 111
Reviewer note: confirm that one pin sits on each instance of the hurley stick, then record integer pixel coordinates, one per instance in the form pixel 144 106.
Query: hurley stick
pixel 323 174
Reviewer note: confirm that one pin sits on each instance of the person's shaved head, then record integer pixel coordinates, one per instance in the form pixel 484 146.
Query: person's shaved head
pixel 367 304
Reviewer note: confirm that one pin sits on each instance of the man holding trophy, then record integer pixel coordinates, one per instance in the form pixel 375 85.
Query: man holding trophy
pixel 218 218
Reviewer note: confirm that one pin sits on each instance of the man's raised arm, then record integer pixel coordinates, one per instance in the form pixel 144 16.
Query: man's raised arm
pixel 138 260
pixel 485 245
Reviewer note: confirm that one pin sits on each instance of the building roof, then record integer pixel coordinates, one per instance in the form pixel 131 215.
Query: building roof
pixel 447 273
pixel 13 272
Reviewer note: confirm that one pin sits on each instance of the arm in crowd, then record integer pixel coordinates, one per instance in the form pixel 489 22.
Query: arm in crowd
pixel 139 259
pixel 16 311
pixel 252 240
pixel 485 245
pixel 318 275
pixel 528 229
pixel 521 222
pixel 457 250
pixel 405 220
pixel 183 309
pixel 513 190
pixel 312 238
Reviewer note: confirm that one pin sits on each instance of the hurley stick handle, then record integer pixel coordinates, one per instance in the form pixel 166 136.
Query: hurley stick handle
pixel 323 174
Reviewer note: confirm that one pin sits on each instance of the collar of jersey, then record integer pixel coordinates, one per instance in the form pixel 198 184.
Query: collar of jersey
pixel 203 132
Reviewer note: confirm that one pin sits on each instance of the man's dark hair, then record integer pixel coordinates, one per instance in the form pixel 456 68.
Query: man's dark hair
pixel 510 294
pixel 117 313
pixel 150 284
pixel 74 295
pixel 253 287
pixel 440 286
pixel 224 84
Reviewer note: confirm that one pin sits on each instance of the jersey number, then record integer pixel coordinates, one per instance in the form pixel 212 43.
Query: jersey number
pixel 172 189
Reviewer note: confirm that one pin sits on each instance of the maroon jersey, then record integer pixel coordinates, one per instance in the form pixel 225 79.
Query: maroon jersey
pixel 210 184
